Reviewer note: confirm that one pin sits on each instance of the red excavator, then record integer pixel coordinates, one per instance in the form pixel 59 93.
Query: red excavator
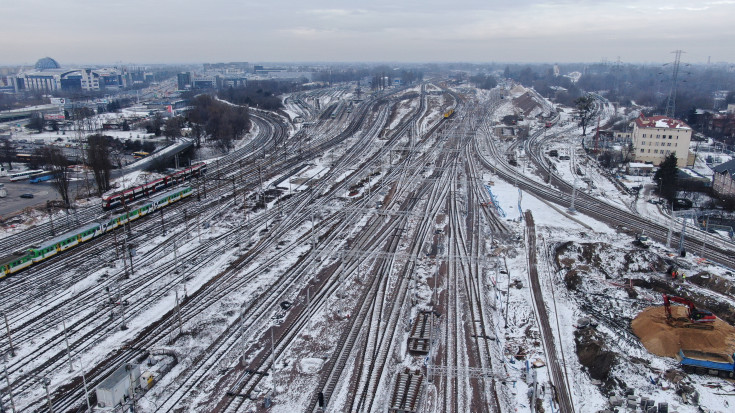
pixel 701 319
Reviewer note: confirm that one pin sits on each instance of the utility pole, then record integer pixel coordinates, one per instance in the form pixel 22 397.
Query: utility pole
pixel 84 381
pixel 114 234
pixel 273 362
pixel 706 232
pixel 163 224
pixel 66 339
pixel 683 232
pixel 122 307
pixel 46 382
pixel 7 380
pixel 112 303
pixel 178 313
pixel 671 102
pixel 10 340
pixel 130 253
pixel 51 218
pixel 125 261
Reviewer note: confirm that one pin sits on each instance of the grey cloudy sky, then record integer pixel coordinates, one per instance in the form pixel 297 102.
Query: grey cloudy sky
pixel 182 31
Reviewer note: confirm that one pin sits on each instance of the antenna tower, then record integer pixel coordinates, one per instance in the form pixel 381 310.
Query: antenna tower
pixel 671 102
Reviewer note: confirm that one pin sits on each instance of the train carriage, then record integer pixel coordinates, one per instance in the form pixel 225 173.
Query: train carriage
pixel 14 263
pixel 54 246
pixel 127 196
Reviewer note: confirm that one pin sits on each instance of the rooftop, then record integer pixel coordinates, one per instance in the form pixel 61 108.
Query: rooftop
pixel 660 122
pixel 728 166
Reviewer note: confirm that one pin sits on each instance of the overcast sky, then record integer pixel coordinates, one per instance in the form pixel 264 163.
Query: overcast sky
pixel 193 31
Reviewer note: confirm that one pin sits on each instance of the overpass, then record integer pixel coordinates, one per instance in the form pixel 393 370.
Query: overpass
pixel 24 113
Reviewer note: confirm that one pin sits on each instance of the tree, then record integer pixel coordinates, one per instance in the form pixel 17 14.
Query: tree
pixel 7 153
pixel 98 158
pixel 667 178
pixel 56 162
pixel 173 128
pixel 155 125
pixel 37 122
pixel 483 81
pixel 585 105
pixel 221 122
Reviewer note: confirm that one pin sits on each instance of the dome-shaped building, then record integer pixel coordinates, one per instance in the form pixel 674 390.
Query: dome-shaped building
pixel 47 63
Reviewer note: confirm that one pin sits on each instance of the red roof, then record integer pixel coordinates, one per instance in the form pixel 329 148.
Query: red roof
pixel 660 122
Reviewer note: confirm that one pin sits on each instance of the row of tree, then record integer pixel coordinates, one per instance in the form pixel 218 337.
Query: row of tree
pixel 218 121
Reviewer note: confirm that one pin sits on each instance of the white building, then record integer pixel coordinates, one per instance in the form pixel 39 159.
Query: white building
pixel 47 75
pixel 118 386
pixel 656 137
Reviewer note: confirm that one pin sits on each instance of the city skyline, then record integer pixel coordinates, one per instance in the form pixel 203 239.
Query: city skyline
pixel 554 31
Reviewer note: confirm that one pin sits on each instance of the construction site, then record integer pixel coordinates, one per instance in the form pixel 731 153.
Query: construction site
pixel 654 331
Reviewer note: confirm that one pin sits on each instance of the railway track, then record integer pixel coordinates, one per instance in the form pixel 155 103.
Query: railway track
pixel 558 379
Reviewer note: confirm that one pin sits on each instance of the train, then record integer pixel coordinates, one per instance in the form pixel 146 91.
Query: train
pixel 448 113
pixel 118 199
pixel 63 242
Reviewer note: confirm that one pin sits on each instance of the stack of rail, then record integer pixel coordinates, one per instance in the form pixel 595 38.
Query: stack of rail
pixel 419 340
pixel 405 398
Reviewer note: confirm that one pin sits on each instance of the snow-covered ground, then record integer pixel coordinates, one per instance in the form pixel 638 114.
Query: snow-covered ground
pixel 584 265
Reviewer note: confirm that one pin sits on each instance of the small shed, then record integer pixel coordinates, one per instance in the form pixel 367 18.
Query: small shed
pixel 639 168
pixel 117 387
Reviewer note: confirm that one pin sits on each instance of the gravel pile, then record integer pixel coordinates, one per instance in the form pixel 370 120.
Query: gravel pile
pixel 665 340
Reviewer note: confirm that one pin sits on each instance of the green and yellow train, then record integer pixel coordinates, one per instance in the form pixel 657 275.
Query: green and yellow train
pixel 16 262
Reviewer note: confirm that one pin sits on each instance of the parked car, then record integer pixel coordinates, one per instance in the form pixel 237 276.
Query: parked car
pixel 27 196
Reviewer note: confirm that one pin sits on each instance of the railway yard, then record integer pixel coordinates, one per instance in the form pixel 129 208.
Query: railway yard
pixel 398 253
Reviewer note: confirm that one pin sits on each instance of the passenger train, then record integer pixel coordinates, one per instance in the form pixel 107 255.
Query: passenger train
pixel 117 199
pixel 35 254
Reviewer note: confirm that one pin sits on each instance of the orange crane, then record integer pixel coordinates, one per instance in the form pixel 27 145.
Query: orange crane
pixel 701 319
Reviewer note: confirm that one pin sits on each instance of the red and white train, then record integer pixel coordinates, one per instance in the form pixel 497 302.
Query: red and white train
pixel 129 195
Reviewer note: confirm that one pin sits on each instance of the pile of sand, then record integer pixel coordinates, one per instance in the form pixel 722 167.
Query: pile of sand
pixel 662 339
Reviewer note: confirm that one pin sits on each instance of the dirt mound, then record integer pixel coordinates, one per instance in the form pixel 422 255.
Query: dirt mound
pixel 591 354
pixel 662 339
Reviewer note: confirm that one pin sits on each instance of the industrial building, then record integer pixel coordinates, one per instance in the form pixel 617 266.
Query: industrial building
pixel 118 386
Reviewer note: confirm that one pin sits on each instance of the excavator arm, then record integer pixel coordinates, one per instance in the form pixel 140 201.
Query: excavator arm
pixel 695 315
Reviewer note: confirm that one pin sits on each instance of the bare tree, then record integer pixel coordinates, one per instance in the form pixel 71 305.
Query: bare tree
pixel 37 122
pixel 585 108
pixel 7 153
pixel 55 160
pixel 173 128
pixel 98 158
